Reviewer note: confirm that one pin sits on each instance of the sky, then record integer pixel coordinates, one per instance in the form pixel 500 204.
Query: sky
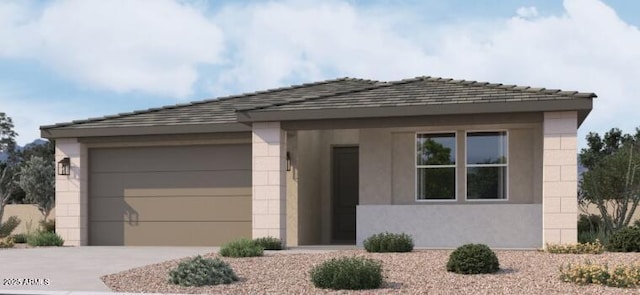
pixel 69 60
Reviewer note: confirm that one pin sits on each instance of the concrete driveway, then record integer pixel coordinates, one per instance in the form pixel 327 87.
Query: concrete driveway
pixel 80 268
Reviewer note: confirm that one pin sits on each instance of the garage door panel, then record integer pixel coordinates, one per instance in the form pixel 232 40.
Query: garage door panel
pixel 178 195
pixel 168 233
pixel 169 208
pixel 173 158
pixel 115 184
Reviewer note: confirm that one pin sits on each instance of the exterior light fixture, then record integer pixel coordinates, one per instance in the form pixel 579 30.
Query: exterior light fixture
pixel 288 161
pixel 64 166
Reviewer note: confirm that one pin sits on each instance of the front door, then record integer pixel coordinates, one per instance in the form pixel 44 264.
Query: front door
pixel 345 194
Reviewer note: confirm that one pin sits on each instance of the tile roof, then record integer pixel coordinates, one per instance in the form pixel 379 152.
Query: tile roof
pixel 218 110
pixel 421 91
pixel 343 93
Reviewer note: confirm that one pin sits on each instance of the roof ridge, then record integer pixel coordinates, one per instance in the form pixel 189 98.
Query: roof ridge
pixel 540 90
pixel 205 101
pixel 377 85
pixel 472 83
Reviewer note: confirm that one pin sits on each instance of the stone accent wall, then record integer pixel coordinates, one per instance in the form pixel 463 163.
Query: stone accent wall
pixel 71 194
pixel 560 175
pixel 269 215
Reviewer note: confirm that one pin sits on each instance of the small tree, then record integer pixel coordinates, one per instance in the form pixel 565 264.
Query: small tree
pixel 7 169
pixel 37 181
pixel 612 181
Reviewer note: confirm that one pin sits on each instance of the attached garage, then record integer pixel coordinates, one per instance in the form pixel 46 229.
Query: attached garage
pixel 197 195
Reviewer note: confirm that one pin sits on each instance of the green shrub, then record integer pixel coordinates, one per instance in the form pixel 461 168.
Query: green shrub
pixel 241 248
pixel 600 274
pixel 580 248
pixel 8 226
pixel 473 259
pixel 45 239
pixel 199 271
pixel 589 222
pixel 20 238
pixel 347 273
pixel 389 242
pixel 269 243
pixel 624 240
pixel 6 242
pixel 48 225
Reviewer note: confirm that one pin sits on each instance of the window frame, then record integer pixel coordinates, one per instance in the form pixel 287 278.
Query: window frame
pixel 467 165
pixel 416 166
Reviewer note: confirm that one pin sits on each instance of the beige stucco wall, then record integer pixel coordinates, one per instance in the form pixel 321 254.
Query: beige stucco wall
pixel 29 215
pixel 311 175
pixel 387 161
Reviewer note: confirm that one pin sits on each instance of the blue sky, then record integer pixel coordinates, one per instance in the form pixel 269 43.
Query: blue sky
pixel 66 60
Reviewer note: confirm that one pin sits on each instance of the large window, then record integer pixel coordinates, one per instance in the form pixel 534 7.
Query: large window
pixel 436 166
pixel 486 165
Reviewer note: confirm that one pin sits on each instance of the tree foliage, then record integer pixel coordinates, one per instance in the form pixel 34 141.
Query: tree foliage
pixel 612 181
pixel 37 181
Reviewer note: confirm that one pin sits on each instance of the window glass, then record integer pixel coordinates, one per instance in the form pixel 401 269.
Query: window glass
pixel 487 170
pixel 486 147
pixel 436 166
pixel 436 183
pixel 486 182
pixel 436 149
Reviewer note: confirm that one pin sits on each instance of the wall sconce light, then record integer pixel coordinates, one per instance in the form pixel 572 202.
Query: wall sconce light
pixel 288 161
pixel 64 166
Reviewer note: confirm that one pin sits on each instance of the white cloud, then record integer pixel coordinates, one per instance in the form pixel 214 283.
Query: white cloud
pixel 527 12
pixel 585 48
pixel 155 47
pixel 122 46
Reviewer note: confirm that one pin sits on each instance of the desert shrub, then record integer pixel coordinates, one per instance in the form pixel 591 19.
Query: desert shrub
pixel 269 243
pixel 389 242
pixel 45 239
pixel 48 225
pixel 601 274
pixel 473 259
pixel 624 240
pixel 6 242
pixel 579 248
pixel 199 271
pixel 241 248
pixel 8 226
pixel 347 273
pixel 589 222
pixel 20 238
pixel 592 236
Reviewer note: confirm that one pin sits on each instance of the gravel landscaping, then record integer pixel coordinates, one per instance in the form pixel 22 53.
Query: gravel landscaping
pixel 417 272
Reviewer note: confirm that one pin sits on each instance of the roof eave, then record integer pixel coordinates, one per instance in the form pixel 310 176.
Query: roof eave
pixel 62 132
pixel 582 105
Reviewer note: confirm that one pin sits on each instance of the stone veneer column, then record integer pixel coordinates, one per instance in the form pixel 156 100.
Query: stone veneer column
pixel 560 188
pixel 269 196
pixel 71 194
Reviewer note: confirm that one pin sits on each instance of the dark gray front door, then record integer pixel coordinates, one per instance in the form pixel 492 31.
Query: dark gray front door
pixel 345 194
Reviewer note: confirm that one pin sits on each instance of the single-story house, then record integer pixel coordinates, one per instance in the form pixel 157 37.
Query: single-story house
pixel 332 162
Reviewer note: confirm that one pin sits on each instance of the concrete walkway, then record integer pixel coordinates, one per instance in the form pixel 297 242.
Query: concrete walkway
pixel 80 268
pixel 77 270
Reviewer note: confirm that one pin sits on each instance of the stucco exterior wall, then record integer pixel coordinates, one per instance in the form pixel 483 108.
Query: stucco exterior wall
pixel 311 174
pixel 387 162
pixel 29 215
pixel 510 226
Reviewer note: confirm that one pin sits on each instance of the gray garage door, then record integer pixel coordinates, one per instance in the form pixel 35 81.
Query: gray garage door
pixel 177 195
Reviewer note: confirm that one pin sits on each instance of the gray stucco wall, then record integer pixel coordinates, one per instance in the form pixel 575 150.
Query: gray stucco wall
pixel 507 226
